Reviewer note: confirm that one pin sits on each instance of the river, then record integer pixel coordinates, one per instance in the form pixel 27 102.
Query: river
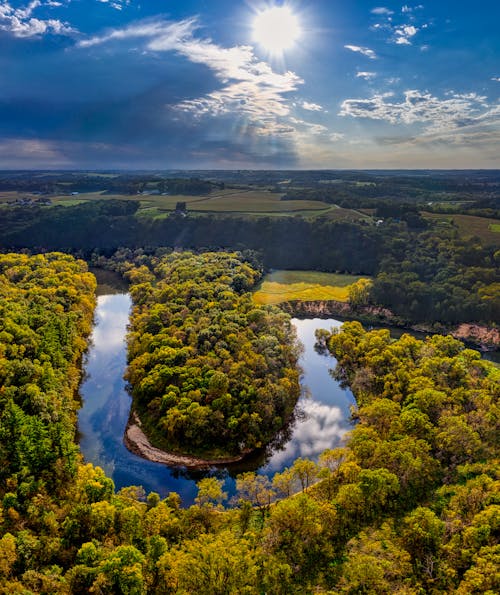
pixel 322 418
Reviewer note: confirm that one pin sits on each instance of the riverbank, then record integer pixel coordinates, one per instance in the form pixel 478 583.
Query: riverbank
pixel 138 443
pixel 481 337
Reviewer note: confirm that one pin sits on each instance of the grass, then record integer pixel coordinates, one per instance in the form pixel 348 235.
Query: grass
pixel 488 230
pixel 306 286
pixel 230 201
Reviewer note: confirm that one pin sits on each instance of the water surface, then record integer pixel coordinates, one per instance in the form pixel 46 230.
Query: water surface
pixel 322 419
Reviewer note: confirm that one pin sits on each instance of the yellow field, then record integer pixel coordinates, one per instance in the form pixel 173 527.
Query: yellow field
pixel 306 286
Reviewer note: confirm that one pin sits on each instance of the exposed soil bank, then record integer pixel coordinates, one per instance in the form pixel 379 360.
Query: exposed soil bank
pixel 137 442
pixel 482 337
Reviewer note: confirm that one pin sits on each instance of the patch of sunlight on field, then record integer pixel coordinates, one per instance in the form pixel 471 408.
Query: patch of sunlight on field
pixel 306 286
pixel 495 227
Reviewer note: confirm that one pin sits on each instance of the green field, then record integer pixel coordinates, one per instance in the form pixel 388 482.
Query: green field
pixel 488 230
pixel 306 286
pixel 254 202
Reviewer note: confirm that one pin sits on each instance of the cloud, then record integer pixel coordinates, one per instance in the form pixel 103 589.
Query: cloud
pixel 116 4
pixel 382 10
pixel 496 78
pixel 336 136
pixel 312 107
pixel 250 88
pixel 361 50
pixel 20 22
pixel 19 152
pixel 163 35
pixel 366 75
pixel 408 9
pixel 403 34
pixel 451 118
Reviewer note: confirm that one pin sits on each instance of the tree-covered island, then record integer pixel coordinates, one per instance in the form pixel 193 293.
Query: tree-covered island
pixel 211 373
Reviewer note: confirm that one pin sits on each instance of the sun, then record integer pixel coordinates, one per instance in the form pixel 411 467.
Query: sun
pixel 276 29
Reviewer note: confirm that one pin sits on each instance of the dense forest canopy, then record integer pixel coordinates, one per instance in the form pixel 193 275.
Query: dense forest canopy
pixel 410 504
pixel 211 373
pixel 46 309
pixel 423 275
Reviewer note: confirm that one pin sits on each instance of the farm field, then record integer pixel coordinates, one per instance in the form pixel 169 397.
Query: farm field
pixel 488 230
pixel 228 201
pixel 306 286
pixel 234 201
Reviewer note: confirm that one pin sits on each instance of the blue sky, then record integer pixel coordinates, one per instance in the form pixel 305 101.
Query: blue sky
pixel 161 84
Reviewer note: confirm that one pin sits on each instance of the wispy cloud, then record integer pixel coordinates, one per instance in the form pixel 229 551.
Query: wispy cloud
pixel 20 22
pixel 116 4
pixel 362 50
pixel 496 78
pixel 454 116
pixel 250 87
pixel 382 10
pixel 312 107
pixel 162 35
pixel 29 152
pixel 366 75
pixel 408 9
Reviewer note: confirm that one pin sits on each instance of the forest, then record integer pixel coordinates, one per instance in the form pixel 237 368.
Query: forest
pixel 409 505
pixel 431 274
pixel 211 373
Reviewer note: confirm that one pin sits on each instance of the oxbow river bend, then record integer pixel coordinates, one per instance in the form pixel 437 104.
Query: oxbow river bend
pixel 322 418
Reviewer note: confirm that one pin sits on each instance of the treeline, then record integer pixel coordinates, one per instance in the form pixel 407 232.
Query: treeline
pixel 410 504
pixel 211 373
pixel 65 183
pixel 422 275
pixel 439 278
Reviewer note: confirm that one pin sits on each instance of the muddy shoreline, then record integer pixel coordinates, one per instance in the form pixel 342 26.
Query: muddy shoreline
pixel 138 443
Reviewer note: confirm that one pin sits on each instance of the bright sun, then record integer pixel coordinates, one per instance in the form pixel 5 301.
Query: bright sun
pixel 276 29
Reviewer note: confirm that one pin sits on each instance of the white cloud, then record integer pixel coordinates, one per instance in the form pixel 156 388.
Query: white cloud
pixel 366 75
pixel 21 23
pixel 404 33
pixel 496 78
pixel 250 87
pixel 382 10
pixel 116 4
pixel 312 107
pixel 336 136
pixel 163 35
pixel 361 50
pixel 406 9
pixel 457 115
